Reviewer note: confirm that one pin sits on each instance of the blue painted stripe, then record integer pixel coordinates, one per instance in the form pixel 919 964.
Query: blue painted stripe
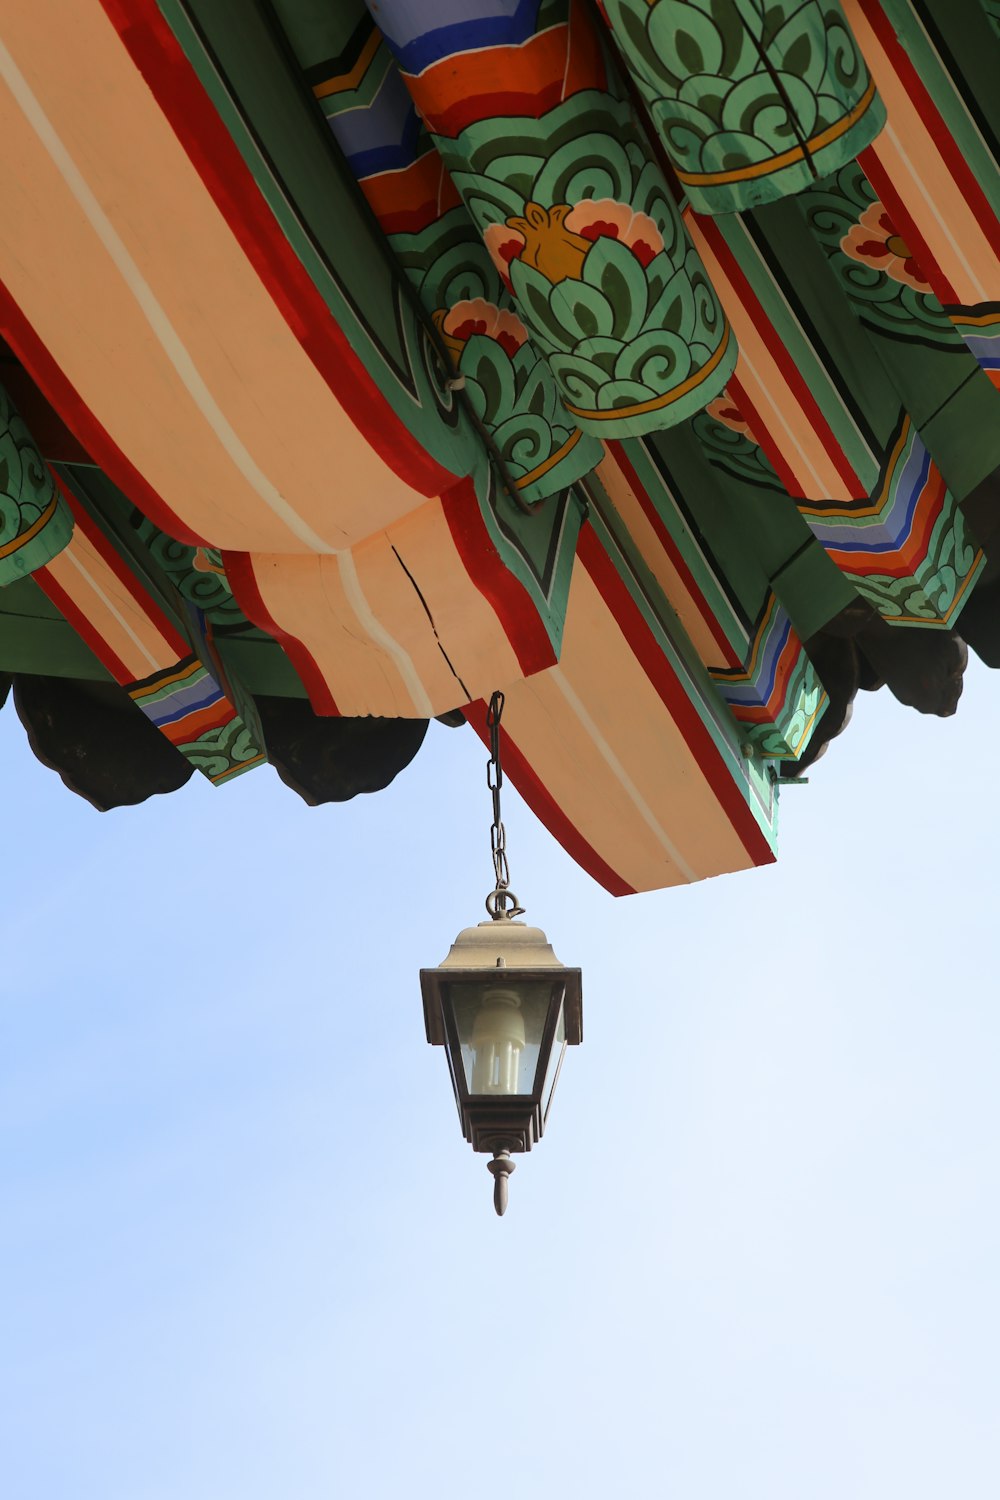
pixel 888 531
pixel 758 692
pixel 380 136
pixel 178 706
pixel 477 24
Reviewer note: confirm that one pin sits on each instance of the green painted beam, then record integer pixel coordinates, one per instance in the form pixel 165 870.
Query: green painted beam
pixel 36 639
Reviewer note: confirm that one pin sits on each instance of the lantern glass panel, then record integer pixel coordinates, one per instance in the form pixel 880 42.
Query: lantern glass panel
pixel 556 1055
pixel 501 1026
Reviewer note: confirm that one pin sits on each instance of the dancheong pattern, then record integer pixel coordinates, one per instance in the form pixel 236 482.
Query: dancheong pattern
pixel 35 523
pixel 503 375
pixel 907 549
pixel 752 100
pixel 573 208
pixel 776 694
pixel 878 271
pixel 195 704
pixel 152 640
pixel 639 357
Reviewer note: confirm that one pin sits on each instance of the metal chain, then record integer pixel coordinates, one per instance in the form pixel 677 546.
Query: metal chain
pixel 498 899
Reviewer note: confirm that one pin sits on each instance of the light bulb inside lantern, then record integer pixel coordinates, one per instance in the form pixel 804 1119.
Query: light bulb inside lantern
pixel 497 1043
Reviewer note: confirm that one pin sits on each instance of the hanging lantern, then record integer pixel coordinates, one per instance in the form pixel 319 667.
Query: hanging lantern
pixel 505 1010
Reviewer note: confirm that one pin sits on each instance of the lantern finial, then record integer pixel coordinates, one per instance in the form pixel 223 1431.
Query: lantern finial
pixel 501 1166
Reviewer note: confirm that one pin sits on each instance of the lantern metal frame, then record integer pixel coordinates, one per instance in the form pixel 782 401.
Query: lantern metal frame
pixel 517 955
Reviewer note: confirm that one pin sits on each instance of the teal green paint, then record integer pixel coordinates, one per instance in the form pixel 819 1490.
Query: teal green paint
pixel 732 85
pixel 35 521
pixel 631 344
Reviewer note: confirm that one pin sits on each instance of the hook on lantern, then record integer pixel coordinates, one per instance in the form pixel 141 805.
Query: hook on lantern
pixel 496 905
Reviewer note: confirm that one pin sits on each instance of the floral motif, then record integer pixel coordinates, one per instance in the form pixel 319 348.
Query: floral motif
pixel 458 323
pixel 751 101
pixel 504 244
pixel 873 241
pixel 588 237
pixel 844 212
pixel 549 244
pixel 196 573
pixel 622 340
pixel 596 217
pixel 723 410
pixel 208 560
pixel 556 240
pixel 730 444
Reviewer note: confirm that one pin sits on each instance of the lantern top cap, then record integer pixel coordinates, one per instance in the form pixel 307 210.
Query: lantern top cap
pixel 503 944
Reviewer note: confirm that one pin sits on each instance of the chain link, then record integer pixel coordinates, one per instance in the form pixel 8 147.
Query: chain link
pixel 498 899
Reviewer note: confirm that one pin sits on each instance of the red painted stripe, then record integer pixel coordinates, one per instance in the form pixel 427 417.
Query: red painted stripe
pixel 511 602
pixel 103 545
pixel 532 103
pixel 905 225
pixel 914 546
pixel 945 142
pixel 562 60
pixel 182 731
pixel 545 807
pixel 928 511
pixel 243 581
pixel 746 714
pixel 891 565
pixel 927 514
pixel 683 712
pixel 58 391
pixel 162 62
pixel 787 662
pixel 766 712
pixel 669 546
pixel 782 357
pixel 408 199
pixel 772 448
pixel 82 626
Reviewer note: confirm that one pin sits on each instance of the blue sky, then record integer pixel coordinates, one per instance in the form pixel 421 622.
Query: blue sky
pixel 244 1251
